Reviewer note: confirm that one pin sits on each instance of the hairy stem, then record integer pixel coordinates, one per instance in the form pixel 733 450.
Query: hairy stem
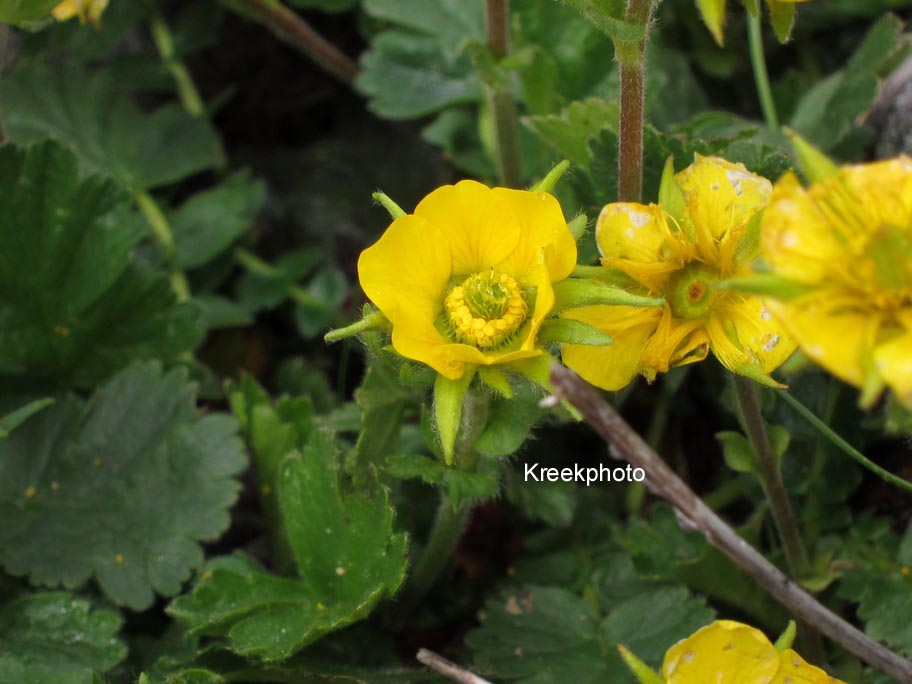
pixel 632 64
pixel 771 477
pixel 164 43
pixel 690 508
pixel 761 75
pixel 449 523
pixel 292 29
pixel 501 100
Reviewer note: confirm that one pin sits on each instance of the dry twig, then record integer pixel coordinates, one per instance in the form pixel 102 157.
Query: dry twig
pixel 691 509
pixel 448 669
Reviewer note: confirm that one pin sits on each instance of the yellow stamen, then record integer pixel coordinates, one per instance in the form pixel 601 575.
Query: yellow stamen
pixel 486 309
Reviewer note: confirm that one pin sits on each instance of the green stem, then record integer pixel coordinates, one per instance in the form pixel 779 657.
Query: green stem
pixel 632 64
pixel 761 75
pixel 843 445
pixel 771 477
pixel 161 229
pixel 796 554
pixel 164 43
pixel 501 100
pixel 449 523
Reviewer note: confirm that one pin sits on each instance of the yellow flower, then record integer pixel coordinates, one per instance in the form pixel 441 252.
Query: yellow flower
pixel 86 10
pixel 466 280
pixel 682 257
pixel 727 652
pixel 848 240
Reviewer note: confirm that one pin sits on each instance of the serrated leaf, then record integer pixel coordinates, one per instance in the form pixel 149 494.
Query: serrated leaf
pixel 418 66
pixel 827 113
pixel 75 305
pixel 570 131
pixel 361 560
pixel 510 421
pixel 56 638
pixel 209 222
pixel 542 634
pixel 460 486
pixel 138 477
pixel 110 134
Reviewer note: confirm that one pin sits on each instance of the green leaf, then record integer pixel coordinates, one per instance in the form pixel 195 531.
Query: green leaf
pixel 361 561
pixel 461 486
pixel 737 452
pixel 208 223
pixel 14 419
pixel 325 5
pixel 110 134
pixel 138 477
pixel 570 131
pixel 56 638
pixel 75 305
pixel 510 421
pixel 418 66
pixel 828 112
pixel 19 12
pixel 542 634
pixel 383 400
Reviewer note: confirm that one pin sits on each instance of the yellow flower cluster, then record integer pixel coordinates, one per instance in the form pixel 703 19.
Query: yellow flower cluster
pixel 847 241
pixel 727 652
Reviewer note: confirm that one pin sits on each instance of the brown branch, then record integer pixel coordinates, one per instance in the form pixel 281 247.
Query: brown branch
pixel 664 482
pixel 292 29
pixel 448 668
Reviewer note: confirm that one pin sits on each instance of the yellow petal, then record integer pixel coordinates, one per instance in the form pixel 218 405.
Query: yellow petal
pixel 721 199
pixel 613 366
pixel 675 343
pixel 836 339
pixel 713 12
pixel 794 670
pixel 744 332
pixel 416 338
pixel 724 652
pixel 635 238
pixel 543 228
pixel 409 263
pixel 481 226
pixel 798 241
pixel 893 361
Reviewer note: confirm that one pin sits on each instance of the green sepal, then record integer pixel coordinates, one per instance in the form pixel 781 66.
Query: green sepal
pixel 548 183
pixel 754 371
pixel 14 419
pixel 640 670
pixel 495 378
pixel 578 226
pixel 448 399
pixel 815 165
pixel 671 197
pixel 395 211
pixel 766 285
pixel 538 370
pixel 782 17
pixel 713 12
pixel 787 638
pixel 574 293
pixel 372 321
pixel 569 331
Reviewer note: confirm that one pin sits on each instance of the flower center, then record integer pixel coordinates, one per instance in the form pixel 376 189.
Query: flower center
pixel 690 291
pixel 486 309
